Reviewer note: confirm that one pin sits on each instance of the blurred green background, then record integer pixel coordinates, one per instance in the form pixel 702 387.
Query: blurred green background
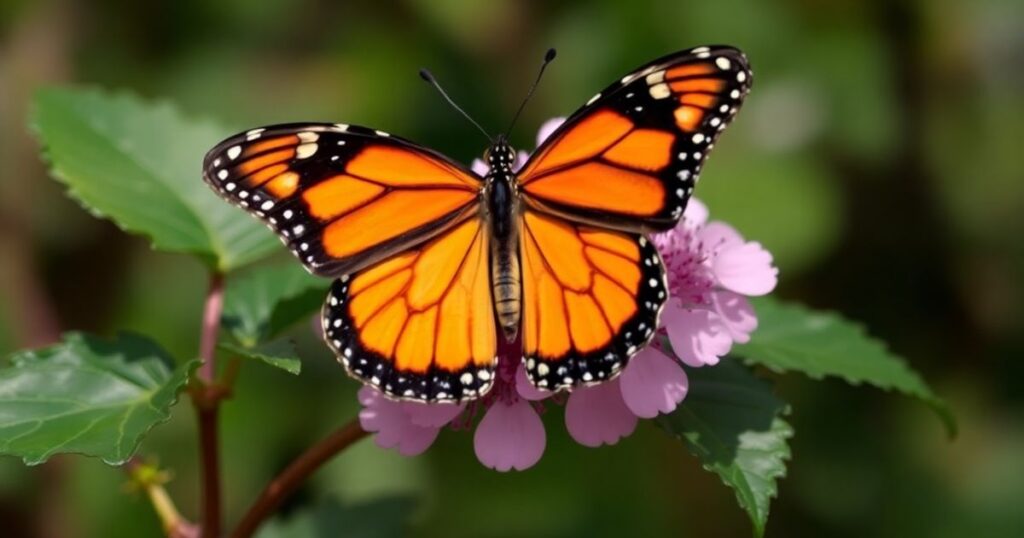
pixel 878 157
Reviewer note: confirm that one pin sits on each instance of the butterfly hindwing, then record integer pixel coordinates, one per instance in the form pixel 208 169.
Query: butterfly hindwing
pixel 341 197
pixel 420 325
pixel 630 158
pixel 591 300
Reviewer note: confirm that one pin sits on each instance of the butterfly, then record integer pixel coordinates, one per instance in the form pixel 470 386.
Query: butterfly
pixel 435 264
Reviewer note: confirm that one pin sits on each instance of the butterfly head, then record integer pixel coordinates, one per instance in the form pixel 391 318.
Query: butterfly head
pixel 500 155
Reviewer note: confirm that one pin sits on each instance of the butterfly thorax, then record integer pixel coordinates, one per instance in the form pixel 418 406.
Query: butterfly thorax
pixel 502 209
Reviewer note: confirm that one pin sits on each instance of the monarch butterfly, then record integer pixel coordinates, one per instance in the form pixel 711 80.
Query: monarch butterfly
pixel 433 264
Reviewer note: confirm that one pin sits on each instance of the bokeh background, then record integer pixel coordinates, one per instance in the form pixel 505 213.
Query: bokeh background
pixel 878 157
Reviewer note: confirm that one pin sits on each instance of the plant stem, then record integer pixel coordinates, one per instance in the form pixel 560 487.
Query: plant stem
pixel 295 474
pixel 211 325
pixel 209 453
pixel 206 398
pixel 151 480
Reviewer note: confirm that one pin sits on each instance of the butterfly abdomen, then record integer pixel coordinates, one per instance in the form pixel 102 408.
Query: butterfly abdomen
pixel 506 288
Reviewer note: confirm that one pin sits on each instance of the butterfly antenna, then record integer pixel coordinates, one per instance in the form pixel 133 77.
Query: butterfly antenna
pixel 429 77
pixel 548 56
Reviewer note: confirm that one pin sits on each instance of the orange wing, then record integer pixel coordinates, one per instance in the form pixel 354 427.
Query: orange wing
pixel 341 197
pixel 629 159
pixel 591 300
pixel 420 325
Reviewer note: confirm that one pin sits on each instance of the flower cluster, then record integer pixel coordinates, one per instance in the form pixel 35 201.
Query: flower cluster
pixel 711 270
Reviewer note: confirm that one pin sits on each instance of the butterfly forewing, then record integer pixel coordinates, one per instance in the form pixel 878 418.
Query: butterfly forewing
pixel 630 158
pixel 341 197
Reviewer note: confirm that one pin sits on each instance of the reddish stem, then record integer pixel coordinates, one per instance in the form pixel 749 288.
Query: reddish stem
pixel 209 453
pixel 206 398
pixel 211 325
pixel 295 474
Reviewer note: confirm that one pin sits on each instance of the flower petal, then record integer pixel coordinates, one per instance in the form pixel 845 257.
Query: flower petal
pixel 698 336
pixel 510 436
pixel 745 269
pixel 433 415
pixel 525 387
pixel 653 383
pixel 392 426
pixel 521 158
pixel 547 128
pixel 597 415
pixel 480 167
pixel 717 236
pixel 736 315
pixel 695 215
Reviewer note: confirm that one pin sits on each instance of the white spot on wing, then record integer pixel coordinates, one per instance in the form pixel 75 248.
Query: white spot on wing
pixel 656 77
pixel 234 152
pixel 660 91
pixel 305 150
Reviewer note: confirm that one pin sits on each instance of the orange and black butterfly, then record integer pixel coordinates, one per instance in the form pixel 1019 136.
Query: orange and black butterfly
pixel 434 263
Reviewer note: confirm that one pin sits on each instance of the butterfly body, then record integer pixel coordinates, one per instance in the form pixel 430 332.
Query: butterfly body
pixel 502 205
pixel 434 263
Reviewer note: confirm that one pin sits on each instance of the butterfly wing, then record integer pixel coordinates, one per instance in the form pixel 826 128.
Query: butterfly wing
pixel 420 325
pixel 629 159
pixel 341 197
pixel 591 299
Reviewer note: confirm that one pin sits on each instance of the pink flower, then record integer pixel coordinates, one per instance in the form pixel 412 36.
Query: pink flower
pixel 711 270
pixel 650 384
pixel 509 436
pixel 411 428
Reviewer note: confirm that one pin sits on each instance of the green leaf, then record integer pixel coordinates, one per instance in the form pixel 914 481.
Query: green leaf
pixel 280 354
pixel 380 518
pixel 792 337
pixel 266 300
pixel 88 396
pixel 733 423
pixel 140 164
